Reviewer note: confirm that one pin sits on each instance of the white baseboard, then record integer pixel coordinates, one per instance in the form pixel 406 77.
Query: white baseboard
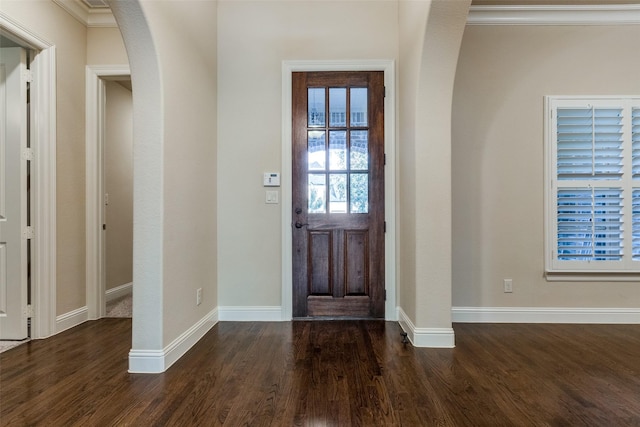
pixel 250 314
pixel 73 318
pixel 426 337
pixel 545 315
pixel 119 291
pixel 157 361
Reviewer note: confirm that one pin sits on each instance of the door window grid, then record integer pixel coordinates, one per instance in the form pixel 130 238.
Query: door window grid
pixel 338 156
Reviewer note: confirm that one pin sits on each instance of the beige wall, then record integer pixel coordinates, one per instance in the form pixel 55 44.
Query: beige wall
pixel 56 26
pixel 413 18
pixel 105 46
pixel 254 38
pixel 187 61
pixel 118 176
pixel 503 74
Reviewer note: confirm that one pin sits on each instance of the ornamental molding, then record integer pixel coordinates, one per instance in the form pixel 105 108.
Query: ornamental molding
pixel 90 17
pixel 627 14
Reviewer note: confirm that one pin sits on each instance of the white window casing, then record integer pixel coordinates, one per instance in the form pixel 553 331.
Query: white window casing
pixel 592 188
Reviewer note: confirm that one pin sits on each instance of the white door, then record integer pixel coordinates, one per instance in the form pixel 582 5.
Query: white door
pixel 13 194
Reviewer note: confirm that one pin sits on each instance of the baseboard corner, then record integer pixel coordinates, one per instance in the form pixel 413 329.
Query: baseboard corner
pixel 143 361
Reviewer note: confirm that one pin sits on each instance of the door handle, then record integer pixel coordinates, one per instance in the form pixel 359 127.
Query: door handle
pixel 298 224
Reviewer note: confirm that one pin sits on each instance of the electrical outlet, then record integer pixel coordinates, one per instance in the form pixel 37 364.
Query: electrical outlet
pixel 199 296
pixel 508 285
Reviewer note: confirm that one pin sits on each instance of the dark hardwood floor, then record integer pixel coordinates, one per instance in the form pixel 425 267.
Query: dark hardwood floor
pixel 336 373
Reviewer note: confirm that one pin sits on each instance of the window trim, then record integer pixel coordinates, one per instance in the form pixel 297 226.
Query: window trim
pixel 557 270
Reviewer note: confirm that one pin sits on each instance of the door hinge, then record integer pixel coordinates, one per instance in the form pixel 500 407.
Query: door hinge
pixel 385 159
pixel 28 76
pixel 385 294
pixel 28 233
pixel 29 312
pixel 384 226
pixel 27 154
pixel 385 92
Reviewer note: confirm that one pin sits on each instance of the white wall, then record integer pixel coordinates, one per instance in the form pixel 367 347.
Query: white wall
pixel 254 38
pixel 503 74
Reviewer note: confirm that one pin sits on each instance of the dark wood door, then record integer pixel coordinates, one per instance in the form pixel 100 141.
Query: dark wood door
pixel 338 194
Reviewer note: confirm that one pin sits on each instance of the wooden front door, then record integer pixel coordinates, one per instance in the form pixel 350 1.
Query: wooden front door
pixel 338 194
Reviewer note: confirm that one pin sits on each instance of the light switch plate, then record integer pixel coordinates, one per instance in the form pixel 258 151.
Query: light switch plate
pixel 272 197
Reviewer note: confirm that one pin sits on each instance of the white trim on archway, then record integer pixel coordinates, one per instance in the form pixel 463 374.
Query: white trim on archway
pixel 388 66
pixel 43 174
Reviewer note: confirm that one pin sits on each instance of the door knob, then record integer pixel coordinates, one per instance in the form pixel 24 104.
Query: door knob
pixel 298 224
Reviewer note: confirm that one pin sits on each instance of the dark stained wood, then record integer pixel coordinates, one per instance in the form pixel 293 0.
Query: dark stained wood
pixel 333 373
pixel 338 255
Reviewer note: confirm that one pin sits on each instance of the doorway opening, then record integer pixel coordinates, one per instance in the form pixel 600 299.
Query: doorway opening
pixel 108 164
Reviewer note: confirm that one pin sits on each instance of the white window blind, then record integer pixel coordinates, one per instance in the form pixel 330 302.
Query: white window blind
pixel 635 146
pixel 589 143
pixel 593 197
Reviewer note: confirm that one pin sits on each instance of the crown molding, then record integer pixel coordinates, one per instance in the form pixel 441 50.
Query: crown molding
pixel 626 14
pixel 101 17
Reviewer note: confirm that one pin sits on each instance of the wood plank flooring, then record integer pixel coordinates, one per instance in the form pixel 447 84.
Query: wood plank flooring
pixel 331 373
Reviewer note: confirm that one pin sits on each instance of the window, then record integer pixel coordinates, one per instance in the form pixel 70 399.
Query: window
pixel 593 185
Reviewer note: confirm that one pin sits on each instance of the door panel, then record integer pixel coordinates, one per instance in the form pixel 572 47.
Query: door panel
pixel 338 194
pixel 13 200
pixel 356 262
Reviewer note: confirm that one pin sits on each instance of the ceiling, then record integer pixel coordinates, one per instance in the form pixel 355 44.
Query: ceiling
pixel 95 4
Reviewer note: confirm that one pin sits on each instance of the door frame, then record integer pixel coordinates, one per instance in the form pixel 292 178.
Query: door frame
pixel 289 67
pixel 94 152
pixel 43 178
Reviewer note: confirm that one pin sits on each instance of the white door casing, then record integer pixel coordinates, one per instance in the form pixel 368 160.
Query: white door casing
pixel 13 194
pixel 43 173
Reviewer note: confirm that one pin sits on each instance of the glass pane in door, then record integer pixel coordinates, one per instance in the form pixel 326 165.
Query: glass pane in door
pixel 338 193
pixel 359 193
pixel 338 150
pixel 316 150
pixel 315 106
pixel 337 107
pixel 359 153
pixel 317 197
pixel 358 107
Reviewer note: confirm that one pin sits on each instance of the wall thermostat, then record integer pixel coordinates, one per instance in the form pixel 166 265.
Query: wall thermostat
pixel 271 179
